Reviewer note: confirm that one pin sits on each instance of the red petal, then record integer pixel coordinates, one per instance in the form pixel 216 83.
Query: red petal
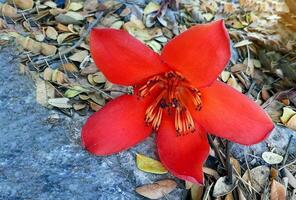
pixel 123 59
pixel 200 53
pixel 229 114
pixel 117 126
pixel 184 155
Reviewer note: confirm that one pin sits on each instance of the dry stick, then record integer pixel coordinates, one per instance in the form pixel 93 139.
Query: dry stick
pixel 99 15
pixel 287 150
pixel 217 152
pixel 228 164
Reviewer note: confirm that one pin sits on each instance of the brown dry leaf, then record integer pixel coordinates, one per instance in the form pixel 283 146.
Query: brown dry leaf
pixel 94 106
pixel 222 187
pixel 33 46
pixel 233 83
pixel 91 69
pixel 292 123
pixel 69 67
pixel 60 78
pixel 197 192
pixel 47 74
pixel 62 37
pixel 48 50
pixel 258 177
pixel 22 4
pixel 277 191
pixel 79 56
pixel 229 8
pixel 78 106
pixel 211 172
pixel 236 165
pixel 8 11
pixel 158 189
pixel 2 24
pixel 51 33
pixel 229 196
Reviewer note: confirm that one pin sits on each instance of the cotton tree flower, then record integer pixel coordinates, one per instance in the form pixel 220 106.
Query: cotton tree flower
pixel 177 95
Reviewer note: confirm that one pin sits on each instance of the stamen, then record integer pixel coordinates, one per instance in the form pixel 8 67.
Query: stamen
pixel 174 94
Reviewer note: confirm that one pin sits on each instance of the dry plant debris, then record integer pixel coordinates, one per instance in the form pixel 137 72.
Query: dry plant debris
pixel 53 42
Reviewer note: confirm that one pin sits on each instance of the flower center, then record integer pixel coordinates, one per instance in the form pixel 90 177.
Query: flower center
pixel 173 95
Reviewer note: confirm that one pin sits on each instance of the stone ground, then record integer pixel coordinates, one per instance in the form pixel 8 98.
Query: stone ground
pixel 41 158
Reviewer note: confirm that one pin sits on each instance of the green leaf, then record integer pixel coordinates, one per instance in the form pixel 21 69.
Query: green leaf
pixel 150 165
pixel 74 91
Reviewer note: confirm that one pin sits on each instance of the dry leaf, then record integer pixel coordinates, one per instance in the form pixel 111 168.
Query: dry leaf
pixel 287 114
pixel 60 102
pixel 69 67
pixel 197 192
pixel 62 37
pixel 74 6
pixel 225 75
pixel 51 33
pixel 222 187
pixel 94 106
pixel 99 78
pixel 91 69
pixel 78 106
pixel 158 189
pixel 43 91
pixel 74 91
pixel 79 56
pixel 258 177
pixel 8 11
pixel 22 4
pixel 48 50
pixel 151 7
pixel 272 158
pixel 47 74
pixel 277 191
pixel 150 165
pixel 292 123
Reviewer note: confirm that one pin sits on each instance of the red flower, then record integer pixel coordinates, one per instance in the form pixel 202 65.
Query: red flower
pixel 176 93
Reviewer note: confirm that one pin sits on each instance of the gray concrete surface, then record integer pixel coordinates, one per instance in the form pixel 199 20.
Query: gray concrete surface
pixel 41 159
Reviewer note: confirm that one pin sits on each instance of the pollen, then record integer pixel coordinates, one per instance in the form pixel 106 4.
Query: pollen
pixel 174 95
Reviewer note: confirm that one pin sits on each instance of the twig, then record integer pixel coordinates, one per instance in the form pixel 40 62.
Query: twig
pixel 228 164
pixel 217 152
pixel 287 150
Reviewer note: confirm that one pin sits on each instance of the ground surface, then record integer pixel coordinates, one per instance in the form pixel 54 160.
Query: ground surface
pixel 41 159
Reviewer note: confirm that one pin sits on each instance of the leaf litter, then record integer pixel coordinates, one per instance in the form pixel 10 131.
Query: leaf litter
pixel 54 51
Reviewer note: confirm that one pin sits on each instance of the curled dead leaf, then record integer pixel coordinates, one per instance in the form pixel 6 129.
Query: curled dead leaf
pixel 258 177
pixel 158 189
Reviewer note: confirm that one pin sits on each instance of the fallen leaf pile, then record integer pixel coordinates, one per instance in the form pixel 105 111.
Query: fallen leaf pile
pixel 53 41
